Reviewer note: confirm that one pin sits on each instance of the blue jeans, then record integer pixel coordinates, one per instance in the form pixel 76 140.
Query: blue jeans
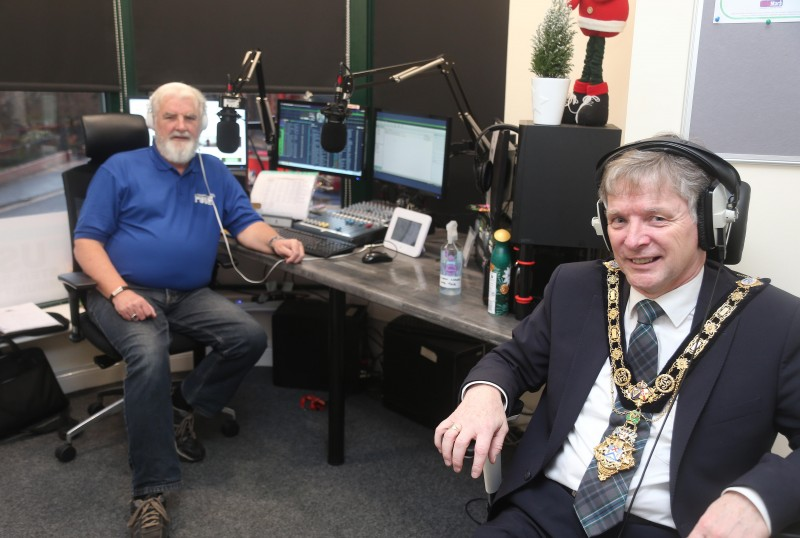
pixel 237 342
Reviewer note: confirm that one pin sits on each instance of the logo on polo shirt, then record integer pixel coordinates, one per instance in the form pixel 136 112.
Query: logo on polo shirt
pixel 207 199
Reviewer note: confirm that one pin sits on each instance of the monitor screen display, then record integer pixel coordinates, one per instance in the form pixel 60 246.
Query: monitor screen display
pixel 412 151
pixel 299 125
pixel 208 138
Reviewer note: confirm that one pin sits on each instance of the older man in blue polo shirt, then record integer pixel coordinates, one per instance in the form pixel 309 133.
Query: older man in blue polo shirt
pixel 148 234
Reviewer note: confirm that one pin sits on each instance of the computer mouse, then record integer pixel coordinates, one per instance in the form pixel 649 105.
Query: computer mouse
pixel 374 256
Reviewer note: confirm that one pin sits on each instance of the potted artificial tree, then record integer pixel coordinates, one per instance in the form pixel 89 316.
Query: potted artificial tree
pixel 551 63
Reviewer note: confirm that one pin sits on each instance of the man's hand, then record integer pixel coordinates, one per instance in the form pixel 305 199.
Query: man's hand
pixel 480 416
pixel 731 516
pixel 290 250
pixel 133 307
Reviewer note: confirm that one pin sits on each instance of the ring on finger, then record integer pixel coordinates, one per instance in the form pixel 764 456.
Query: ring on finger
pixel 133 317
pixel 456 427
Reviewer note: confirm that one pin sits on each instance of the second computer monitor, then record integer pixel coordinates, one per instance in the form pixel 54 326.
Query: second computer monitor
pixel 299 139
pixel 412 151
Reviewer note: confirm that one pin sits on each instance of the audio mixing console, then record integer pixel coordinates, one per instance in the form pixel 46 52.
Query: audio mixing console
pixel 360 223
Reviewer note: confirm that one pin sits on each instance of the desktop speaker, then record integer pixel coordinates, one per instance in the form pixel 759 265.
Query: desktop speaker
pixel 554 192
pixel 554 187
pixel 300 345
pixel 423 368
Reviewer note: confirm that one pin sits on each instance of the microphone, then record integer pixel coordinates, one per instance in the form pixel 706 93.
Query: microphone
pixel 228 139
pixel 333 137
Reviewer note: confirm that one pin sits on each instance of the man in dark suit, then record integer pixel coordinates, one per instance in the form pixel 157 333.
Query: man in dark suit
pixel 687 448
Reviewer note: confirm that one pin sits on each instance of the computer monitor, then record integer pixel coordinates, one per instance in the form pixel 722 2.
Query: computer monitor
pixel 412 151
pixel 299 125
pixel 208 138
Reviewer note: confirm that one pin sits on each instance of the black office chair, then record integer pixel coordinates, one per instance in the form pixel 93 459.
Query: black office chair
pixel 105 135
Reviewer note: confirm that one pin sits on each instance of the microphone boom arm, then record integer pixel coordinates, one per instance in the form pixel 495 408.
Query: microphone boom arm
pixel 412 69
pixel 232 98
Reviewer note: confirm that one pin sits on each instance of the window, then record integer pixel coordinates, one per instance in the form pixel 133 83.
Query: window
pixel 40 136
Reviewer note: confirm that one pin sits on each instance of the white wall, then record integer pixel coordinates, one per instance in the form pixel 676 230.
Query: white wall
pixel 648 69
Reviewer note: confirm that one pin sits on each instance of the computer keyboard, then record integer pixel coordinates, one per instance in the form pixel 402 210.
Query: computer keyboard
pixel 316 244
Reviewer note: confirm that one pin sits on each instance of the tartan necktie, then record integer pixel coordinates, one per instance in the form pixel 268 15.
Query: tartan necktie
pixel 601 504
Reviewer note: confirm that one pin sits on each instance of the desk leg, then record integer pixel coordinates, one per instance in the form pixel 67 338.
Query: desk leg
pixel 336 396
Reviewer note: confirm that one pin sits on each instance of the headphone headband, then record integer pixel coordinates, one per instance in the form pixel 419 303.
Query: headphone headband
pixel 712 164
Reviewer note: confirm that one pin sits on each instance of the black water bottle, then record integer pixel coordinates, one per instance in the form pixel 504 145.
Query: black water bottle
pixel 523 282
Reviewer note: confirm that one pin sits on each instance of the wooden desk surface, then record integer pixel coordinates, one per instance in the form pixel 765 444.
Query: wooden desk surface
pixel 409 285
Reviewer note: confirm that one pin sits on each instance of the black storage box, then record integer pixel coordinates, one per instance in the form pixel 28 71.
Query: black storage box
pixel 423 368
pixel 300 345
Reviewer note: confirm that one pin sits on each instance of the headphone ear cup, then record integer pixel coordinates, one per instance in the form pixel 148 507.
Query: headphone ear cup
pixel 703 222
pixel 600 224
pixel 483 174
pixel 714 218
pixel 483 166
pixel 204 120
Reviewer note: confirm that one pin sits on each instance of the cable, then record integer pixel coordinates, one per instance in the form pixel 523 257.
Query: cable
pixel 387 244
pixel 225 235
pixel 467 506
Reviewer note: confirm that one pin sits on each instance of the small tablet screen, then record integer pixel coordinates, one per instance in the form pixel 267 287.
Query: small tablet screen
pixel 406 231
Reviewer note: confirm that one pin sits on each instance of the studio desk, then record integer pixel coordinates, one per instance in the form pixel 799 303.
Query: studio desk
pixel 408 285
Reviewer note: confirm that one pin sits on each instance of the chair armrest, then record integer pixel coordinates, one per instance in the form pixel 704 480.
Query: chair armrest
pixel 76 284
pixel 77 281
pixel 225 263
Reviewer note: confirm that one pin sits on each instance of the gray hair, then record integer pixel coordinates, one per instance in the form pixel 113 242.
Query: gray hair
pixel 635 170
pixel 178 89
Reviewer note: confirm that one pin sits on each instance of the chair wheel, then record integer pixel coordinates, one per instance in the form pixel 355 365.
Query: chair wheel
pixel 95 407
pixel 230 428
pixel 65 453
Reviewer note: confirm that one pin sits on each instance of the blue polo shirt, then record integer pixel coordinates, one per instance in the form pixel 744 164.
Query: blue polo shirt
pixel 159 227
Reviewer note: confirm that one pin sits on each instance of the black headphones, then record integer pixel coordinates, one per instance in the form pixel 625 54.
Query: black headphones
pixel 484 168
pixel 718 207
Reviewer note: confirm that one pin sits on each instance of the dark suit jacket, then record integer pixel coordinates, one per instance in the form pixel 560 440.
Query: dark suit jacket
pixel 742 391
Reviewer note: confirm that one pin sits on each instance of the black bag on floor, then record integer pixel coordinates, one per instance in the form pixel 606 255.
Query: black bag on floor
pixel 30 396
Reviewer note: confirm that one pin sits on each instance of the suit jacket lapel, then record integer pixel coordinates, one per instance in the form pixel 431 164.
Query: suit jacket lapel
pixel 584 369
pixel 697 387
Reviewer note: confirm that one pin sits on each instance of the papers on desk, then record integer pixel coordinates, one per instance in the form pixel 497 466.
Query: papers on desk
pixel 24 317
pixel 283 194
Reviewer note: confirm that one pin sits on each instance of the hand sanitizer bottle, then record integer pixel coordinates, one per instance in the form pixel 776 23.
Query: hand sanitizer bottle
pixel 451 262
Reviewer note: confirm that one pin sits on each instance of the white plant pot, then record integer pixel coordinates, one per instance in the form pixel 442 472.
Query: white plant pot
pixel 549 97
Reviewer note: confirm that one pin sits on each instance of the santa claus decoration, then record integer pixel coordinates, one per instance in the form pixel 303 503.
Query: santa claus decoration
pixel 597 19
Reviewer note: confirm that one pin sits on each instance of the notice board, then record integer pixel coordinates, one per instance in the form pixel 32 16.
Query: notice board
pixel 744 83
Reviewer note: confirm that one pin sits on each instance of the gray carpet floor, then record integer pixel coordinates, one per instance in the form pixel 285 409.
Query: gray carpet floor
pixel 272 479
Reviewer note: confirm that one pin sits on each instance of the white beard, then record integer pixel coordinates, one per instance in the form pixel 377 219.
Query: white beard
pixel 177 151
